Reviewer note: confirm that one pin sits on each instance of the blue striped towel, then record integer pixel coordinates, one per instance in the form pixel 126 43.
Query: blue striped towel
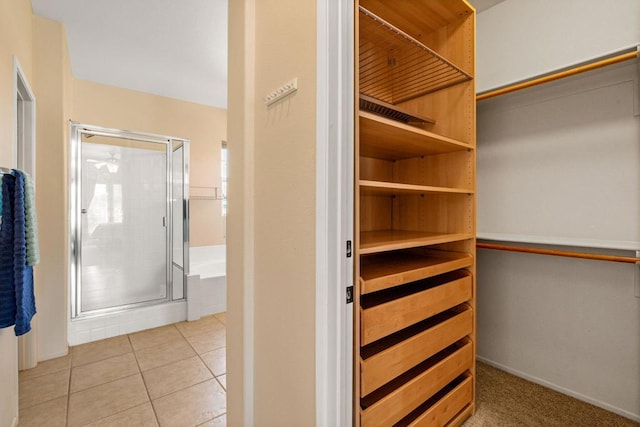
pixel 17 302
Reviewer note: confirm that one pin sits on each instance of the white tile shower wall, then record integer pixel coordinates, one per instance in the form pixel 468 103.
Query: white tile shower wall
pixel 106 326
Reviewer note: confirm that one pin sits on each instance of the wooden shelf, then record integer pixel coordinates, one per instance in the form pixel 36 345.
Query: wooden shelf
pixel 383 271
pixel 382 188
pixel 424 16
pixel 395 67
pixel 388 139
pixel 388 240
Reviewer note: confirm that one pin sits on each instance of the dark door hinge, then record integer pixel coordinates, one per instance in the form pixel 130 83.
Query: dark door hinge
pixel 348 248
pixel 349 294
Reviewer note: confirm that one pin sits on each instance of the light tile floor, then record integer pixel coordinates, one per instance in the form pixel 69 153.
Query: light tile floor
pixel 169 376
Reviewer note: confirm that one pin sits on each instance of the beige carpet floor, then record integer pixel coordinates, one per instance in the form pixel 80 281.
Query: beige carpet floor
pixel 504 400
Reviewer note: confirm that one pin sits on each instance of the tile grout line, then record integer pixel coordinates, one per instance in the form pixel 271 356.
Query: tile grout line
pixel 46 373
pixel 212 419
pixel 70 370
pixel 66 418
pixel 106 382
pixel 146 388
pixel 20 407
pixel 183 389
pixel 223 387
pixel 115 413
pixel 38 403
pixel 112 381
pixel 208 368
pixel 103 359
pixel 165 364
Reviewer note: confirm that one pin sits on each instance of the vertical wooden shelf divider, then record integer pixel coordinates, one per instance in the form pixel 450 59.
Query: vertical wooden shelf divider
pixel 415 213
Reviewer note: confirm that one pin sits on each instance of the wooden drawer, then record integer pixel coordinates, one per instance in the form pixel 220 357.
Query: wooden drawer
pixel 390 269
pixel 413 393
pixel 399 308
pixel 388 358
pixel 447 408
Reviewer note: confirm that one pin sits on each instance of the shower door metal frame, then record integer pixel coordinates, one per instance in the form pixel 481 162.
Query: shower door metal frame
pixel 76 131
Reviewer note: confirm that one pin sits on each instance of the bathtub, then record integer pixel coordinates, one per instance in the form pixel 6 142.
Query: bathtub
pixel 207 281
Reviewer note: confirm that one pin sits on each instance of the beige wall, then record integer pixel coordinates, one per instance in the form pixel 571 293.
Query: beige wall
pixel 206 127
pixel 52 86
pixel 283 140
pixel 15 39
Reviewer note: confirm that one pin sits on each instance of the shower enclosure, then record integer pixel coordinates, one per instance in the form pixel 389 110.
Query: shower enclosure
pixel 129 222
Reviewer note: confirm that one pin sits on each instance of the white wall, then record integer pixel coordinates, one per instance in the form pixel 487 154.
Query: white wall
pixel 567 323
pixel 559 161
pixel 573 325
pixel 518 39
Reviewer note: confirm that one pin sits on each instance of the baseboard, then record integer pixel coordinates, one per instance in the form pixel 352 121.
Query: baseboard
pixel 560 389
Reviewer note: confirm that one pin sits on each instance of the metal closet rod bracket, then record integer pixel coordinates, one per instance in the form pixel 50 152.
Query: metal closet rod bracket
pixel 637 276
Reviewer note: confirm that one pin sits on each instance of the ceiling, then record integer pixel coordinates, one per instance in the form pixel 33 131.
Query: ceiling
pixel 171 48
pixel 481 5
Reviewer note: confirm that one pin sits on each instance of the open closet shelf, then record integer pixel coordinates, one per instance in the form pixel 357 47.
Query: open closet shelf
pixel 387 270
pixel 395 67
pixel 387 139
pixel 383 188
pixel 388 240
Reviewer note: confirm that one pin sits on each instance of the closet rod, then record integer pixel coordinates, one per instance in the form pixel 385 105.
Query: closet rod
pixel 555 76
pixel 571 254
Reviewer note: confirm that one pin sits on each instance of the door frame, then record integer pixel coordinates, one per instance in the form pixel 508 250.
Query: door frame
pixel 334 212
pixel 24 158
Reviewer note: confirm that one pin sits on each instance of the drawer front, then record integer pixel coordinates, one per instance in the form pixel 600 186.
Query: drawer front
pixel 399 403
pixel 386 365
pixel 445 409
pixel 385 319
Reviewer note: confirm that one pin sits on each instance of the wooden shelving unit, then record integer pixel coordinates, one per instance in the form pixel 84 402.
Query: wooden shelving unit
pixel 415 213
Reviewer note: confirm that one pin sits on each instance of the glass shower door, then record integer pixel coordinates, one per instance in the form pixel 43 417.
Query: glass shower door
pixel 123 223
